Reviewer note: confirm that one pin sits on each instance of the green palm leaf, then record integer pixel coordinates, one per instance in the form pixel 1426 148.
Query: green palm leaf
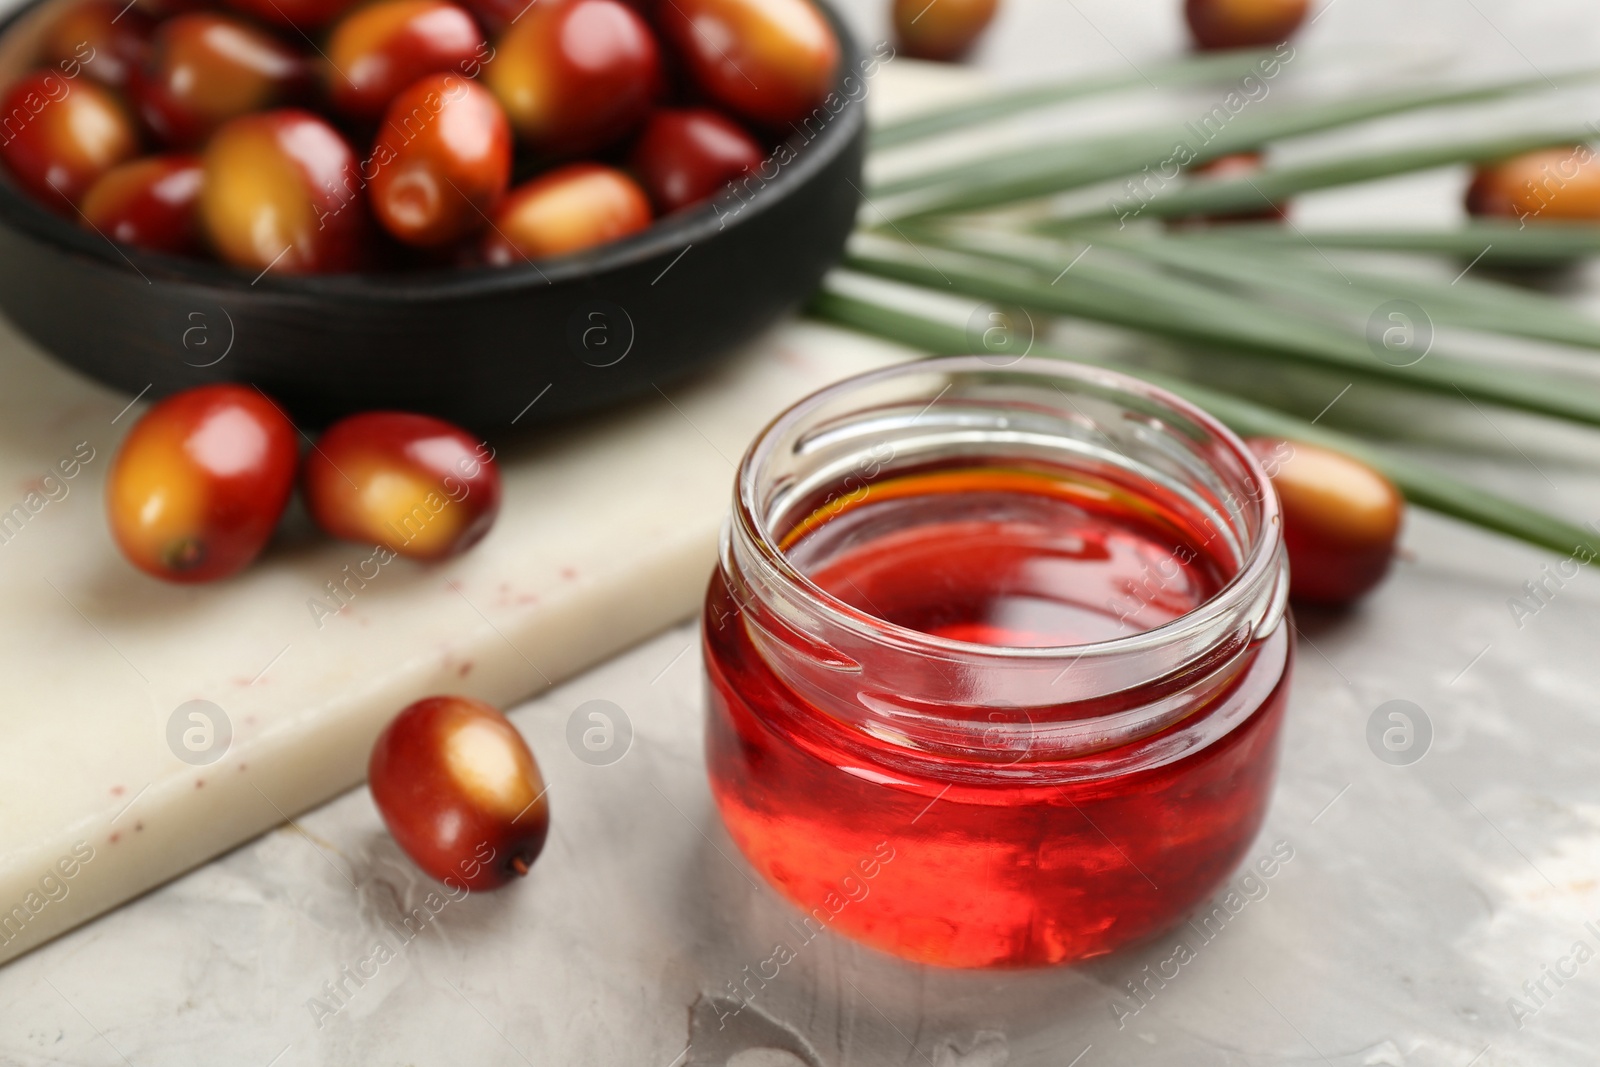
pixel 1422 485
pixel 1289 269
pixel 1042 170
pixel 1490 241
pixel 1182 71
pixel 1001 269
pixel 1275 185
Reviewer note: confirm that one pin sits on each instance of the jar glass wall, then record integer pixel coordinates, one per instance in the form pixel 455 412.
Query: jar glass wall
pixel 997 659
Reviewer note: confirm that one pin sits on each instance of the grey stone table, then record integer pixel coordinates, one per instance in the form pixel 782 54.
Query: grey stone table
pixel 1441 912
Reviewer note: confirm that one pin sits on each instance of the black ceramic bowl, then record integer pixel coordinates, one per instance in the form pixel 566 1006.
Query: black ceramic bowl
pixel 474 345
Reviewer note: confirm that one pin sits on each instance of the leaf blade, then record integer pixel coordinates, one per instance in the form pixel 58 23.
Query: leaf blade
pixel 1421 485
pixel 1274 185
pixel 1036 172
pixel 1182 71
pixel 1188 312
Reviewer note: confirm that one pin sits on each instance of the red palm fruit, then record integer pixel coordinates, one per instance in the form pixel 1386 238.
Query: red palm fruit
pixel 106 38
pixel 416 485
pixel 282 192
pixel 59 135
pixel 460 792
pixel 943 29
pixel 770 61
pixel 566 210
pixel 575 75
pixel 200 482
pixel 1341 519
pixel 205 68
pixel 1553 183
pixel 686 155
pixel 377 50
pixel 441 162
pixel 1232 166
pixel 150 203
pixel 1243 23
pixel 300 16
pixel 165 9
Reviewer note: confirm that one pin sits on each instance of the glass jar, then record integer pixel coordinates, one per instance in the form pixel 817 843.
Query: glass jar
pixel 997 659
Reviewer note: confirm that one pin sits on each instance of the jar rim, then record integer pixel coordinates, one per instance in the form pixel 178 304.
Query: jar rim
pixel 1263 555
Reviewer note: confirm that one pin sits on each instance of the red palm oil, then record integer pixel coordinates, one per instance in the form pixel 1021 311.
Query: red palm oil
pixel 997 680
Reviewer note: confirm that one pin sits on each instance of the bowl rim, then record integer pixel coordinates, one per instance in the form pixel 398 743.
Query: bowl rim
pixel 675 232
